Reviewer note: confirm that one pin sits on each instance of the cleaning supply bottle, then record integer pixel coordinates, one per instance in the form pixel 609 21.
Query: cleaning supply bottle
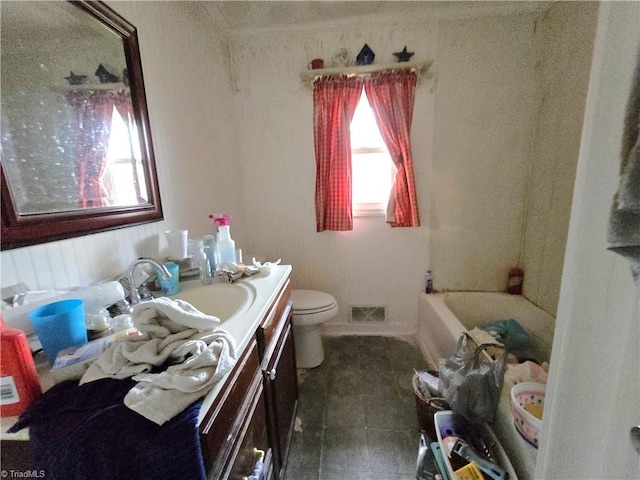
pixel 203 265
pixel 516 278
pixel 429 288
pixel 209 246
pixel 225 246
pixel 19 382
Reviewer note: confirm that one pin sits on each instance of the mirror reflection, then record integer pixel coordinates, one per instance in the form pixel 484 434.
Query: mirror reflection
pixel 69 137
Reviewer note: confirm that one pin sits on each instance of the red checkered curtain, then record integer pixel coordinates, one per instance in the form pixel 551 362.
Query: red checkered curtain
pixel 391 95
pixel 334 102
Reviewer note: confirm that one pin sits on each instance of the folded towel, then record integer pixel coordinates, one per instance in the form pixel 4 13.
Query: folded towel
pixel 181 312
pixel 81 432
pixel 173 363
pixel 624 219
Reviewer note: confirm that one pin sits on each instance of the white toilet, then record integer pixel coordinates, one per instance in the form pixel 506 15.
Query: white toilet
pixel 310 310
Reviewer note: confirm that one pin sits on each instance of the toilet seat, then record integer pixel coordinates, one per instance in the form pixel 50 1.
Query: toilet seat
pixel 309 302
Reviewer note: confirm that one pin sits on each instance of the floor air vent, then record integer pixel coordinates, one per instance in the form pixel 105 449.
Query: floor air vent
pixel 368 313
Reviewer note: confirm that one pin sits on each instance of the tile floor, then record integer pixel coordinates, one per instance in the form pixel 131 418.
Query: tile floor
pixel 357 412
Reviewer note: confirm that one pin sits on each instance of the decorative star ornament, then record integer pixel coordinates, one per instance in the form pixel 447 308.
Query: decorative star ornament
pixel 404 56
pixel 74 79
pixel 106 76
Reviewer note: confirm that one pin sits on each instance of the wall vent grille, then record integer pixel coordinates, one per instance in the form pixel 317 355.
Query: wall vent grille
pixel 367 313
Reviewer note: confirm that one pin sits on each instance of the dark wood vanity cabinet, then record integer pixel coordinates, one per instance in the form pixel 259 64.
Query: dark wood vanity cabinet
pixel 276 347
pixel 252 416
pixel 254 413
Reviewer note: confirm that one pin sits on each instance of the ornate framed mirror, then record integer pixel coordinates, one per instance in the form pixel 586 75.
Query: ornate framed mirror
pixel 76 153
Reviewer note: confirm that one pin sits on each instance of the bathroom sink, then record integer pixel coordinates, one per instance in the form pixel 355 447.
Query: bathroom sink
pixel 222 300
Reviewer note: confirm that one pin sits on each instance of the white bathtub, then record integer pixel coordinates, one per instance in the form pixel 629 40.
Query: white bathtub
pixel 444 316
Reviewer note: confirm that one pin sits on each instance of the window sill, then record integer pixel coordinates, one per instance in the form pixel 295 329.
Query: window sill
pixel 369 210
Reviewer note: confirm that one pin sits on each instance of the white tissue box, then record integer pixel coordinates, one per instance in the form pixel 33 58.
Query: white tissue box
pixel 72 362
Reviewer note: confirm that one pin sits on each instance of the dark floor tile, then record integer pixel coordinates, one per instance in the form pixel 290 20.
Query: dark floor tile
pixel 371 341
pixel 301 474
pixel 304 453
pixel 365 382
pixel 392 451
pixel 353 475
pixel 311 410
pixel 344 449
pixel 378 382
pixel 312 382
pixel 397 413
pixel 341 359
pixel 344 382
pixel 338 344
pixel 404 383
pixel 373 356
pixel 404 355
pixel 340 353
pixel 347 475
pixel 344 411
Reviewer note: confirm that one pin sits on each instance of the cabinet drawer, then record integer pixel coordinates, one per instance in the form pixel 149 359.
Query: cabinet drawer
pixel 269 330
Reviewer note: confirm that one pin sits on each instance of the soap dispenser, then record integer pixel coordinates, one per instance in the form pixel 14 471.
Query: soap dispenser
pixel 225 246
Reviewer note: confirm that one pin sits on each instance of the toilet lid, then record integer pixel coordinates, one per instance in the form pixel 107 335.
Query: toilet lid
pixel 311 301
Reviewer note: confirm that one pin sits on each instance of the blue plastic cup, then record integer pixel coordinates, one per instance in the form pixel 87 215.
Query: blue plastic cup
pixel 170 286
pixel 59 325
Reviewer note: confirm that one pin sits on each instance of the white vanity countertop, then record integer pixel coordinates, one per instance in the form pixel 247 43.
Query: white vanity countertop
pixel 241 327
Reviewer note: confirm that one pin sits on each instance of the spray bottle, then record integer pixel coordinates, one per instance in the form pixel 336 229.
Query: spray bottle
pixel 225 246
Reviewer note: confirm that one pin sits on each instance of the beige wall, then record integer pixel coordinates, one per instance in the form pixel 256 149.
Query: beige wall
pixel 232 130
pixel 564 46
pixel 484 117
pixel 373 264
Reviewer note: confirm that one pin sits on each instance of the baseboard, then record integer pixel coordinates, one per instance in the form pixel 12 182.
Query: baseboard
pixel 384 329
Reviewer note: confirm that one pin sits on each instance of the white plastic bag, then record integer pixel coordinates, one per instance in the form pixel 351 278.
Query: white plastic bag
pixel 471 381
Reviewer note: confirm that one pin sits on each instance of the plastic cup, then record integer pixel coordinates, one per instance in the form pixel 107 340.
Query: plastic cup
pixel 177 241
pixel 59 325
pixel 170 286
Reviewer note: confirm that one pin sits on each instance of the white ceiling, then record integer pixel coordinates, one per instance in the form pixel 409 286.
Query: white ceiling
pixel 254 14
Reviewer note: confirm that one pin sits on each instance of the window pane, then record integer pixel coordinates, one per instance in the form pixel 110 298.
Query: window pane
pixel 364 129
pixel 372 171
pixel 371 174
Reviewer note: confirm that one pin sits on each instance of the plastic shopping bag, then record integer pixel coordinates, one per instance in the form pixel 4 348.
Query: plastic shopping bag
pixel 471 381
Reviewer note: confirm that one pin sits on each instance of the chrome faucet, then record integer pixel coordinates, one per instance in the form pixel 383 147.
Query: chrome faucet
pixel 134 296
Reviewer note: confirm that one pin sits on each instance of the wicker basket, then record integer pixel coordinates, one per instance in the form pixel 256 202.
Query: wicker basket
pixel 427 407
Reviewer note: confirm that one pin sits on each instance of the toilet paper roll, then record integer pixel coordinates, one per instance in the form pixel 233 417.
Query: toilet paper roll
pixel 95 297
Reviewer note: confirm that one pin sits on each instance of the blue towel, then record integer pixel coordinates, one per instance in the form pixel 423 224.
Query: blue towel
pixel 81 432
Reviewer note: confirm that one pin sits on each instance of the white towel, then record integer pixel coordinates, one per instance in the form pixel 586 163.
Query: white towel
pixel 178 358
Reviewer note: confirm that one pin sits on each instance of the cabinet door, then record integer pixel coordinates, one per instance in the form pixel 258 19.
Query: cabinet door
pixel 254 444
pixel 282 392
pixel 220 431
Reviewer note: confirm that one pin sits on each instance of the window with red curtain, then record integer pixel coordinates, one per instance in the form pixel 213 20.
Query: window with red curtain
pixel 391 95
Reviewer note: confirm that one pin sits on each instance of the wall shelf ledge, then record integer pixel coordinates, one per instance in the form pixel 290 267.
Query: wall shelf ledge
pixel 421 68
